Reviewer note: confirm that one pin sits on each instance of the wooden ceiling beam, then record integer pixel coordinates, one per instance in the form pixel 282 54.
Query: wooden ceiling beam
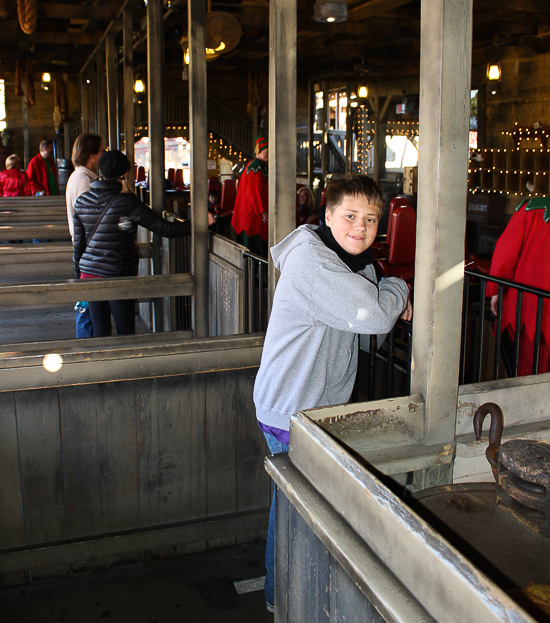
pixel 518 6
pixel 77 11
pixel 374 7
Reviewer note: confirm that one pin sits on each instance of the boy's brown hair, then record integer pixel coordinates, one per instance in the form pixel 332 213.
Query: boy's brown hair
pixel 86 145
pixel 354 185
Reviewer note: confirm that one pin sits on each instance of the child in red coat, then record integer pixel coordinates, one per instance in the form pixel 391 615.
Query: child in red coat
pixel 13 182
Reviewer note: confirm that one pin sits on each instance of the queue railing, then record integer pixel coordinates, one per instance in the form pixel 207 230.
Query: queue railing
pixel 254 293
pixel 479 345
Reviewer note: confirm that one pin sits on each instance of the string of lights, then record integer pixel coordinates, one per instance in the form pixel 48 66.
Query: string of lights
pixel 517 172
pixel 217 148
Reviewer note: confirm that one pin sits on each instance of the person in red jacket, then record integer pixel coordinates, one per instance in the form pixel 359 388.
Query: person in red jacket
pixel 13 182
pixel 522 254
pixel 251 204
pixel 42 171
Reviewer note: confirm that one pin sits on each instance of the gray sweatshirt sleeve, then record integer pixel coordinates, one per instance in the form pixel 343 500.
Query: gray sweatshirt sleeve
pixel 350 302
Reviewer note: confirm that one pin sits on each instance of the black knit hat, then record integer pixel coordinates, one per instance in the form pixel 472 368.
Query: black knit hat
pixel 113 164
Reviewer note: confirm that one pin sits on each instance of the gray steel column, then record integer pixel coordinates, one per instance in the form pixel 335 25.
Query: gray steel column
pixel 282 126
pixel 199 152
pixel 128 80
pixel 101 111
pixel 155 99
pixel 310 136
pixel 110 60
pixel 445 64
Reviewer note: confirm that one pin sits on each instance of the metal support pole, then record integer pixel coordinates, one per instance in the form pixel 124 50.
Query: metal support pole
pixel 282 126
pixel 110 60
pixel 127 29
pixel 155 98
pixel 199 153
pixel 445 63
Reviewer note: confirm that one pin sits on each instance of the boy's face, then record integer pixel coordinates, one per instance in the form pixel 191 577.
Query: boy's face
pixel 354 224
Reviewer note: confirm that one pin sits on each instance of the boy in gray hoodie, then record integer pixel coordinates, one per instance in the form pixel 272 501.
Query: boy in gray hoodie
pixel 326 296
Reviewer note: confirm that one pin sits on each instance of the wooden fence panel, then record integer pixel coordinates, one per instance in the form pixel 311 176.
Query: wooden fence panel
pixel 42 478
pixel 99 440
pixel 251 444
pixel 12 532
pixel 171 449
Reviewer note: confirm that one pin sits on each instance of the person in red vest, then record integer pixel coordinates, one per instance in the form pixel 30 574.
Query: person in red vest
pixel 251 204
pixel 13 182
pixel 42 171
pixel 522 254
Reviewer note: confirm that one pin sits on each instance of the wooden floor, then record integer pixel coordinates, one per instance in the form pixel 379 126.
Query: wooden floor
pixel 202 588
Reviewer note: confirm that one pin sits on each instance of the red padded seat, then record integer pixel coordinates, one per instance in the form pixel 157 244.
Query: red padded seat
pixel 214 184
pixel 140 177
pixel 171 175
pixel 179 184
pixel 401 245
pixel 229 193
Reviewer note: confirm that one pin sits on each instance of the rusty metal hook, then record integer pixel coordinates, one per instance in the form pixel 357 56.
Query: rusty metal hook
pixel 495 431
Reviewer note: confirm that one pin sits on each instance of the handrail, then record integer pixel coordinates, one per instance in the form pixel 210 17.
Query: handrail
pixel 254 282
pixel 46 294
pixel 481 312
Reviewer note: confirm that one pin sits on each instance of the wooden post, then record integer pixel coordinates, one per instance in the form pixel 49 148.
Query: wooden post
pixel 349 131
pixel 100 99
pixel 310 134
pixel 110 60
pixel 84 103
pixel 324 134
pixel 128 91
pixel 155 98
pixel 26 145
pixel 92 100
pixel 445 62
pixel 199 154
pixel 282 126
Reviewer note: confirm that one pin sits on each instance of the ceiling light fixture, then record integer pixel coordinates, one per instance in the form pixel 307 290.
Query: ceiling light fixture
pixel 493 72
pixel 363 91
pixel 330 11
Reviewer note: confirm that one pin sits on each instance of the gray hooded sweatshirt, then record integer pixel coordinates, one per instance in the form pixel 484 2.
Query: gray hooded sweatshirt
pixel 320 306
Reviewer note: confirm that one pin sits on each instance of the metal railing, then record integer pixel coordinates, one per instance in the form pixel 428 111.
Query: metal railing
pixel 478 320
pixel 395 356
pixel 254 293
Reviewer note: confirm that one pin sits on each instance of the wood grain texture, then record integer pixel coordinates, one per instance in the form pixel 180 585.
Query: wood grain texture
pixel 12 526
pixel 99 447
pixel 42 477
pixel 171 449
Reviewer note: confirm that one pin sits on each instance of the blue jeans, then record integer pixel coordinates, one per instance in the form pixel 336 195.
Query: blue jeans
pixel 276 447
pixel 84 324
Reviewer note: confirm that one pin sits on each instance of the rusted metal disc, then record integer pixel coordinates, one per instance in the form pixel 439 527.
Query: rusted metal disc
pixel 529 460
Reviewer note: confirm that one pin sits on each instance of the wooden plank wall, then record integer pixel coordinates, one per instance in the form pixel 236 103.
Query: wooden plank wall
pixel 40 116
pixel 87 461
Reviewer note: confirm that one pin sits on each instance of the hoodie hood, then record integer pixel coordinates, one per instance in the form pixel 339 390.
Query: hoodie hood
pixel 305 234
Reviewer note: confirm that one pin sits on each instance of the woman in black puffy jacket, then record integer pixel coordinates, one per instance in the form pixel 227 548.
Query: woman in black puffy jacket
pixel 104 244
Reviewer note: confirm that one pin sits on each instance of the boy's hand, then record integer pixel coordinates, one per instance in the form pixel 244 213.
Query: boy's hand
pixel 408 313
